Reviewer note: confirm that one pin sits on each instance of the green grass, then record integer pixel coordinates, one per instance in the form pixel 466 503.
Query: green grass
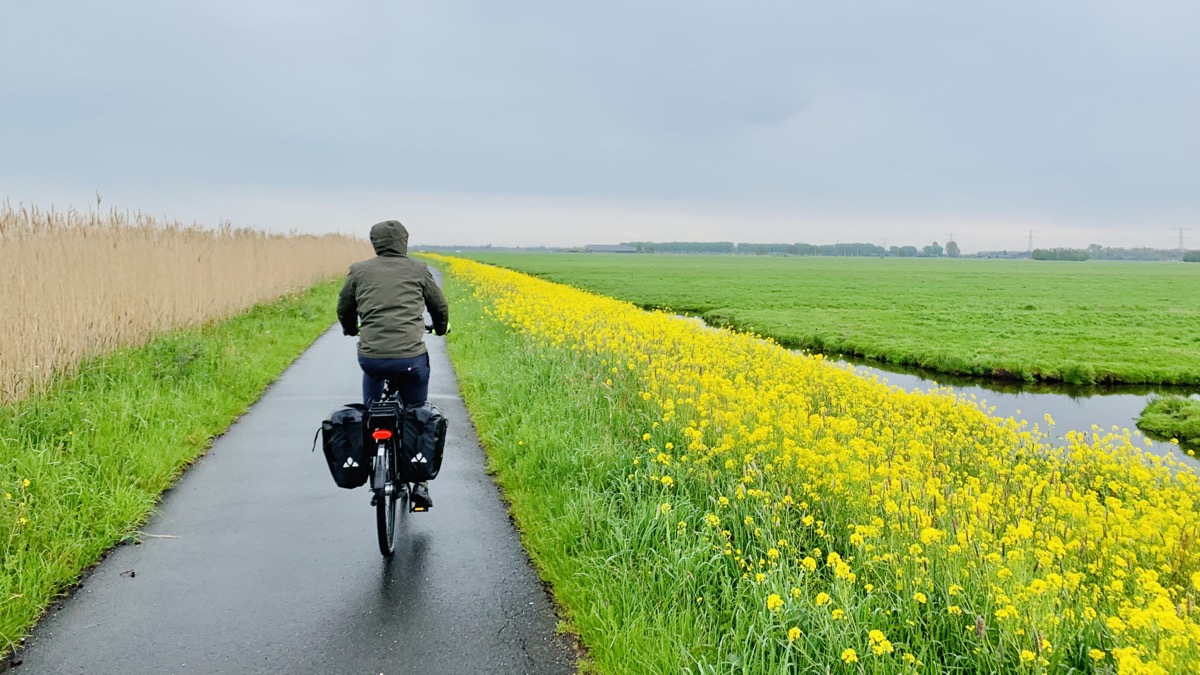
pixel 1173 417
pixel 82 465
pixel 1047 321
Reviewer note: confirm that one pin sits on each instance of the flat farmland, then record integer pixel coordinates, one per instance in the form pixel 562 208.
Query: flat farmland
pixel 1033 320
pixel 703 501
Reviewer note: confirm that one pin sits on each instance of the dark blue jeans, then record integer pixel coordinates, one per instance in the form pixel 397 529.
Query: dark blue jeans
pixel 409 378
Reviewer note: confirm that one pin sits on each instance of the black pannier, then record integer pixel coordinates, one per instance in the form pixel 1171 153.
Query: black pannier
pixel 423 438
pixel 342 441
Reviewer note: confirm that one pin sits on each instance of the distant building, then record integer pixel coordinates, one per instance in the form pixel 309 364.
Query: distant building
pixel 609 248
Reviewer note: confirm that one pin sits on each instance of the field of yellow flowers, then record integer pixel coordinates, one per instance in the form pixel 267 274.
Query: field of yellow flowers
pixel 782 514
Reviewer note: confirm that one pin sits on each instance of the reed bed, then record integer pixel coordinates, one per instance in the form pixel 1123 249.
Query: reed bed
pixel 76 284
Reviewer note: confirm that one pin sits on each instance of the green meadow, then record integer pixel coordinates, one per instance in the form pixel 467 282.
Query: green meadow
pixel 1173 417
pixel 1079 323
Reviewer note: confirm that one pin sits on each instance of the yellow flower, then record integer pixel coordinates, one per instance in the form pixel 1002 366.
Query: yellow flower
pixel 667 481
pixel 822 598
pixel 954 610
pixel 919 597
pixel 793 634
pixel 1096 654
pixel 838 614
pixel 665 507
pixel 1007 612
pixel 850 656
pixel 1027 656
pixel 25 483
pixel 774 602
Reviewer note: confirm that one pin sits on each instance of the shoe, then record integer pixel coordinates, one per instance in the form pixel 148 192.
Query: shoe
pixel 419 499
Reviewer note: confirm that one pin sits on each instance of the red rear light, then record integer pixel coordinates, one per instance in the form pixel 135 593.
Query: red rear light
pixel 381 434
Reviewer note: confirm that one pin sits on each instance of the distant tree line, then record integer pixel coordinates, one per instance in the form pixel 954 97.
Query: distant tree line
pixel 934 250
pixel 860 250
pixel 682 246
pixel 1098 252
pixel 1059 254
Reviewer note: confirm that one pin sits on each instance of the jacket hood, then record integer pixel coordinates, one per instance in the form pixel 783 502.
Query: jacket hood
pixel 389 238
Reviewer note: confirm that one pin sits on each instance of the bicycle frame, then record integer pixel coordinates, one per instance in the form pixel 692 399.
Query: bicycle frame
pixel 390 497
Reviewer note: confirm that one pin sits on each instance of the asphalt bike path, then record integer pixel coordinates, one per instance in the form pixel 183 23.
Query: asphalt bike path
pixel 255 562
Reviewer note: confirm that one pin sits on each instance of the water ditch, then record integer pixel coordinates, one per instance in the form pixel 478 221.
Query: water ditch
pixel 1071 407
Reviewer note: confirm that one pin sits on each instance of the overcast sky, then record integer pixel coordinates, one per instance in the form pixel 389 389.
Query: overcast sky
pixel 562 123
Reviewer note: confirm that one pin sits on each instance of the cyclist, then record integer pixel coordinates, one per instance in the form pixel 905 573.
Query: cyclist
pixel 382 302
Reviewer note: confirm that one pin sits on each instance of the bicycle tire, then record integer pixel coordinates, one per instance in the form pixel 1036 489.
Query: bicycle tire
pixel 386 504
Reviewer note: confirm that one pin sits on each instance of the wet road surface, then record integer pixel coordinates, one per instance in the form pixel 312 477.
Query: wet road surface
pixel 257 563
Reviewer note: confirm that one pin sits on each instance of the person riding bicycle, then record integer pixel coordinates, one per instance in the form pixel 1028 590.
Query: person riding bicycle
pixel 382 302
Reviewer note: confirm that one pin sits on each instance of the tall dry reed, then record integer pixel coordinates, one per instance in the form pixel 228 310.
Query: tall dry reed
pixel 75 285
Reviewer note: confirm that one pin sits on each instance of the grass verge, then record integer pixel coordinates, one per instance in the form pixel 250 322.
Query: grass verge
pixel 1173 417
pixel 82 465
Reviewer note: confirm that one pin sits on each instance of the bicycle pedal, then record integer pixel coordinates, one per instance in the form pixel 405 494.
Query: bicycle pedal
pixel 412 508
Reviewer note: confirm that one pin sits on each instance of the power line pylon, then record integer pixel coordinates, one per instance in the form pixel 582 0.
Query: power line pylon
pixel 1180 230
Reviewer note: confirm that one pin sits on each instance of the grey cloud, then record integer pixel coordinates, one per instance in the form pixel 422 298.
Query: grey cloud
pixel 1079 110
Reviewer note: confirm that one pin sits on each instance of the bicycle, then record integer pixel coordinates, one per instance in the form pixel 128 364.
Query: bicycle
pixel 390 496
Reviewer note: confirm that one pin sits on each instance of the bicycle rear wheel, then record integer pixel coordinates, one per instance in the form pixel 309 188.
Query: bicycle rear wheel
pixel 387 498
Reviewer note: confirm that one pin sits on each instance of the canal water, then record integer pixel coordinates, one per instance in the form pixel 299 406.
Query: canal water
pixel 1071 408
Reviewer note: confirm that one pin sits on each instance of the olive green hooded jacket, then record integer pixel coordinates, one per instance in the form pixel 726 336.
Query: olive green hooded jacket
pixel 383 298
